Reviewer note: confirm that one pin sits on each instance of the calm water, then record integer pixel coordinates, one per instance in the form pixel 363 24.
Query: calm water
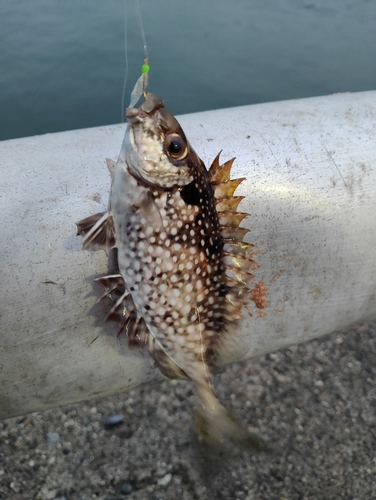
pixel 62 63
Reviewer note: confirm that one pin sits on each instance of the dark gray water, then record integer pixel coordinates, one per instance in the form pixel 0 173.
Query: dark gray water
pixel 62 63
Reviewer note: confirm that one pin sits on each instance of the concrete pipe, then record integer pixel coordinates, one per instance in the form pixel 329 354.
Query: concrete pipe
pixel 310 166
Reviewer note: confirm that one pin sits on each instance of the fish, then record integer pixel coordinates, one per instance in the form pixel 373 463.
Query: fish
pixel 184 269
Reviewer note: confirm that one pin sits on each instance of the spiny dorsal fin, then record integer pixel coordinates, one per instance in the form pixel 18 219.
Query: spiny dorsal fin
pixel 98 232
pixel 226 189
pixel 215 165
pixel 222 173
pixel 228 204
pixel 237 255
pixel 242 263
pixel 234 233
pixel 240 248
pixel 232 219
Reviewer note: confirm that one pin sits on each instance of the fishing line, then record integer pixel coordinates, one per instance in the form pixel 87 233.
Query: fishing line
pixel 126 63
pixel 142 82
pixel 141 26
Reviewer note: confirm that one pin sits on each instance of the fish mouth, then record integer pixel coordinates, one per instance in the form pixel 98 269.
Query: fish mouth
pixel 148 108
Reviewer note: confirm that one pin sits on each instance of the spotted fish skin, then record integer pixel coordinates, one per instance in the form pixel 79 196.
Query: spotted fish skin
pixel 182 262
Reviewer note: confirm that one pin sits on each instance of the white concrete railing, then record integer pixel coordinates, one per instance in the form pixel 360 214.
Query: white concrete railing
pixel 311 192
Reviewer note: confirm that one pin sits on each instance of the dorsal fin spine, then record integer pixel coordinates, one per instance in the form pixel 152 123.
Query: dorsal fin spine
pixel 237 260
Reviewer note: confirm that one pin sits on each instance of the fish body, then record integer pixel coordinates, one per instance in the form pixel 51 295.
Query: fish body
pixel 183 267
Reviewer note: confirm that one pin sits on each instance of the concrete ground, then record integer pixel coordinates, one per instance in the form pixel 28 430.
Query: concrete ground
pixel 315 404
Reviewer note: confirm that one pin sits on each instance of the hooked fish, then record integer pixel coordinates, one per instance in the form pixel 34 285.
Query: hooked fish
pixel 184 268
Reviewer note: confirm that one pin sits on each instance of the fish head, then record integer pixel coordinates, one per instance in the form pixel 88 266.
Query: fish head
pixel 156 149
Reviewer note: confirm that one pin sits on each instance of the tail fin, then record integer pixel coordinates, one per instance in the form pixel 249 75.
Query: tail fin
pixel 215 426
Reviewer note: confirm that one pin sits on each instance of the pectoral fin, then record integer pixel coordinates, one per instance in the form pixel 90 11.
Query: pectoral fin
pixel 111 164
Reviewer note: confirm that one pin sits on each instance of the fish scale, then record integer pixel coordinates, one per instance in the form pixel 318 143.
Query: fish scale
pixel 183 266
pixel 179 269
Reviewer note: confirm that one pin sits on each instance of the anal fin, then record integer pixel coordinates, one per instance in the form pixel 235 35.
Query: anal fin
pixel 124 311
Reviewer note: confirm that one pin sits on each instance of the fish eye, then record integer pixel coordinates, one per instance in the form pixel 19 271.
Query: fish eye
pixel 175 146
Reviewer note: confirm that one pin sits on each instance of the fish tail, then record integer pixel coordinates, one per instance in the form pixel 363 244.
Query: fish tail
pixel 215 426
